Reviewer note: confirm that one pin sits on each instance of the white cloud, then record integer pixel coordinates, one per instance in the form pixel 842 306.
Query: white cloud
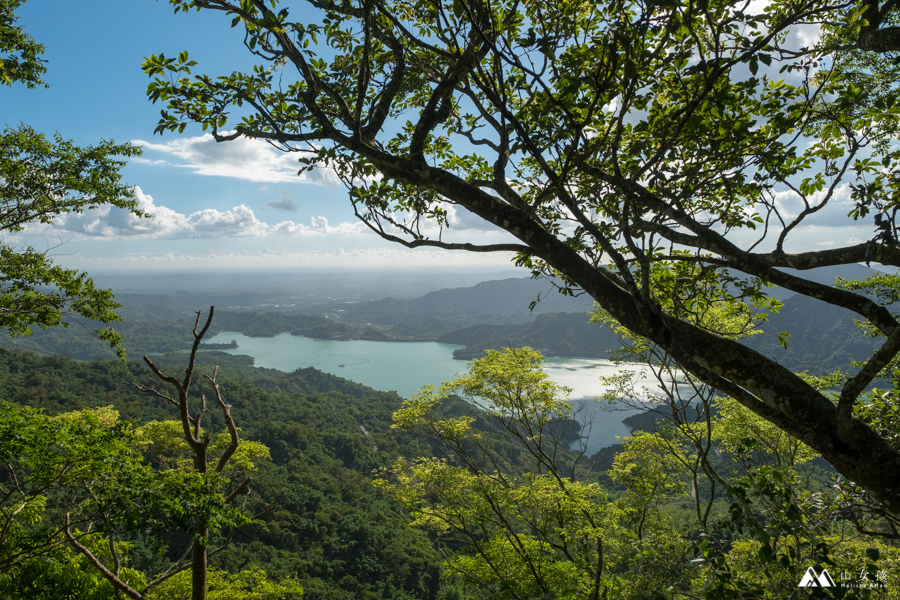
pixel 243 158
pixel 239 221
pixel 110 222
pixel 145 161
pixel 807 36
pixel 235 222
pixel 318 226
pixel 834 214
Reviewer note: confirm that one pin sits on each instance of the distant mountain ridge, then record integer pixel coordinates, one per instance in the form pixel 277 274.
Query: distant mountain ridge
pixel 488 315
pixel 554 334
pixel 508 297
pixel 823 337
pixel 513 297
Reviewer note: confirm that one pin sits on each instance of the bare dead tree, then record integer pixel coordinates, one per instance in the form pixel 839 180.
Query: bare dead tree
pixel 198 440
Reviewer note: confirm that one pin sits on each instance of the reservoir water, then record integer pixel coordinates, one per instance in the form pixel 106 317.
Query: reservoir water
pixel 406 366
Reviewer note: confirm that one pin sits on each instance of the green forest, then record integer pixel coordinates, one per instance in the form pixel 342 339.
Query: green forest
pixel 669 166
pixel 361 494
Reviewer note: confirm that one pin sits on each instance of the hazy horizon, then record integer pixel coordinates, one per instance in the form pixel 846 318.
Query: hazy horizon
pixel 349 282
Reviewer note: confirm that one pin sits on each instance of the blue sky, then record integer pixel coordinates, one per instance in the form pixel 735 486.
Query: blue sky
pixel 216 206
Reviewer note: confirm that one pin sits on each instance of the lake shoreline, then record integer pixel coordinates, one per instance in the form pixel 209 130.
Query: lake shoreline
pixel 406 367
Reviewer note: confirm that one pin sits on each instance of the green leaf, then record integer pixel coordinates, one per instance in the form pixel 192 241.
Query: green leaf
pixel 783 337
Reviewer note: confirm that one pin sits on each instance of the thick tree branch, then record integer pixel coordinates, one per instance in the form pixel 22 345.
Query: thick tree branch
pixel 238 490
pixel 865 252
pixel 440 103
pixel 880 40
pixel 229 422
pixel 98 564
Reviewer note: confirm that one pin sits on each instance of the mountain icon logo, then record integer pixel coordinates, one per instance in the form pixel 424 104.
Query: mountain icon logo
pixel 810 579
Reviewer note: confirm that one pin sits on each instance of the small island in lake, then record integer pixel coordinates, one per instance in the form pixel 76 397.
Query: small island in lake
pixel 219 346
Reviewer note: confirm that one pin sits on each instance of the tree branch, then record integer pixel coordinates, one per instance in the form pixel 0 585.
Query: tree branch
pixel 109 575
pixel 880 40
pixel 856 384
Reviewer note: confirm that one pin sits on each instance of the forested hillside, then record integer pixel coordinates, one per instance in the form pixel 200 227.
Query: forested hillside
pixel 823 338
pixel 326 525
pixel 555 334
pixel 334 500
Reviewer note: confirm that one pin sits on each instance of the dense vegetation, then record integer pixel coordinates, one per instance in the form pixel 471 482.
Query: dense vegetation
pixel 706 501
pixel 765 512
pixel 325 526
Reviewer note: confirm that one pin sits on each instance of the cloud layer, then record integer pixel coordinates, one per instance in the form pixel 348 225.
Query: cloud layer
pixel 109 222
pixel 251 160
pixel 270 259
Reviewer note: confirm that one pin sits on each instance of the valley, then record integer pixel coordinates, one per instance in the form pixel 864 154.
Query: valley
pixel 319 386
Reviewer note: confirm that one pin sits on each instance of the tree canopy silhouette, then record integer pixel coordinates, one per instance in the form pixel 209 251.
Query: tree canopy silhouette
pixel 663 157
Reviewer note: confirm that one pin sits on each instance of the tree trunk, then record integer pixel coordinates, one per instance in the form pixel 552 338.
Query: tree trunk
pixel 198 567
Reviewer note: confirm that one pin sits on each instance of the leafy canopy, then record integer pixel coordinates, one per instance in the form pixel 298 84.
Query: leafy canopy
pixel 40 180
pixel 524 521
pixel 664 158
pixel 20 54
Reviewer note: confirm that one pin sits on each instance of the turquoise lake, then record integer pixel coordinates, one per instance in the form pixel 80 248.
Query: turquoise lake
pixel 406 366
